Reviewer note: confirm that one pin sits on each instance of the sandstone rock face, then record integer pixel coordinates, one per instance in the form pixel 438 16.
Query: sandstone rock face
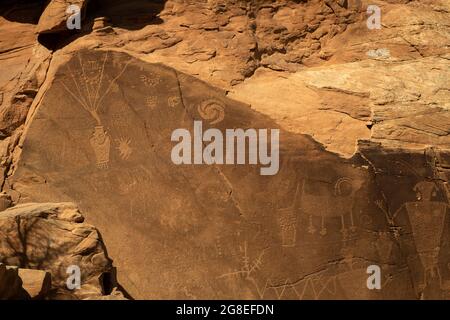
pixel 226 231
pixel 364 146
pixel 53 237
pixel 313 66
pixel 24 64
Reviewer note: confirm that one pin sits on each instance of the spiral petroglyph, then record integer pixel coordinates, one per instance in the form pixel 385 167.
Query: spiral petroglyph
pixel 212 110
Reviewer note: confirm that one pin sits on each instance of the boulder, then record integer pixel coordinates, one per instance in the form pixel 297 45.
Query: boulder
pixel 52 237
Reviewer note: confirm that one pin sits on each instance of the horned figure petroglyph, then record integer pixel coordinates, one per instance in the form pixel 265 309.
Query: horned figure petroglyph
pixel 426 218
pixel 427 223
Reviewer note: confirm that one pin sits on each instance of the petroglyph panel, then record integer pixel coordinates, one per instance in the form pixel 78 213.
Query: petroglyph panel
pixel 102 136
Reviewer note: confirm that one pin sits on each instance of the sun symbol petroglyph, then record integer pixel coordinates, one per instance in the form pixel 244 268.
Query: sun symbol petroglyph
pixel 287 219
pixel 212 110
pixel 124 147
